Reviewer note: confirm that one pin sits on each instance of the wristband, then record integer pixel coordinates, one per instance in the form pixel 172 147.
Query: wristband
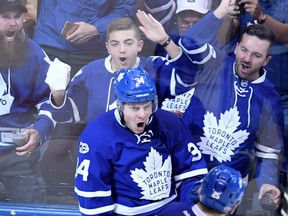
pixel 264 16
pixel 166 42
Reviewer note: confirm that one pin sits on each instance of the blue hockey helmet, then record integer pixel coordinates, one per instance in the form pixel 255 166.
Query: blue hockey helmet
pixel 134 86
pixel 222 189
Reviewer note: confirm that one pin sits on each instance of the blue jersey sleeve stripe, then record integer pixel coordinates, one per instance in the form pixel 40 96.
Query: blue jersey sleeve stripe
pixel 92 194
pixel 195 50
pixel 38 106
pixel 96 210
pixel 179 80
pixel 168 8
pixel 161 8
pixel 125 210
pixel 266 149
pixel 173 83
pixel 169 15
pixel 48 114
pixel 57 107
pixel 266 155
pixel 75 110
pixel 206 49
pixel 191 174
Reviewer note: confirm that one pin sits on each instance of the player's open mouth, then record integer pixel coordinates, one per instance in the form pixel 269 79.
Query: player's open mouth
pixel 140 124
pixel 10 35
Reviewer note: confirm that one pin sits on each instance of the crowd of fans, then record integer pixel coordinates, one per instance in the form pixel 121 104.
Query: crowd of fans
pixel 173 95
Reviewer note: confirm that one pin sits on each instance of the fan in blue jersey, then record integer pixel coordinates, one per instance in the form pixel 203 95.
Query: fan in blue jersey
pixel 23 93
pixel 91 93
pixel 220 193
pixel 136 159
pixel 235 111
pixel 273 14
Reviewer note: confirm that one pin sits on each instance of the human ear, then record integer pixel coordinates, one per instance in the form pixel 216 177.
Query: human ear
pixel 235 50
pixel 107 47
pixel 140 45
pixel 268 58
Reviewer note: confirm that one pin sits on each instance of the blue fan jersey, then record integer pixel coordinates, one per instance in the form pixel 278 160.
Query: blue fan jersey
pixel 232 118
pixel 24 95
pixel 136 174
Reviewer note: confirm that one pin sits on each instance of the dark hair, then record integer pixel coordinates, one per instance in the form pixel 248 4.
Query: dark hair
pixel 123 24
pixel 260 31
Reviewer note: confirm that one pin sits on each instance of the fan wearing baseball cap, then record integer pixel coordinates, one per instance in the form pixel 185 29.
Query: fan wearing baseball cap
pixel 25 120
pixel 7 5
pixel 174 13
pixel 189 12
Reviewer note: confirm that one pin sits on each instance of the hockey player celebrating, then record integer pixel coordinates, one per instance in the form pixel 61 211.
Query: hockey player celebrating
pixel 136 159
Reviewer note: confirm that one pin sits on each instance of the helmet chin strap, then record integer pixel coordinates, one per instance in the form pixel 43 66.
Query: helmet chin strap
pixel 119 107
pixel 121 114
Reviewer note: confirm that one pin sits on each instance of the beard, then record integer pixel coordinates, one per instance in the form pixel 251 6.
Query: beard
pixel 13 54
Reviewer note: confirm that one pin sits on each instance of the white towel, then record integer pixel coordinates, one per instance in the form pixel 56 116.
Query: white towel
pixel 57 75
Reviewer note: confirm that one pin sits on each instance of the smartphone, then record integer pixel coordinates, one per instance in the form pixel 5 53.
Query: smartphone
pixel 241 7
pixel 69 28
